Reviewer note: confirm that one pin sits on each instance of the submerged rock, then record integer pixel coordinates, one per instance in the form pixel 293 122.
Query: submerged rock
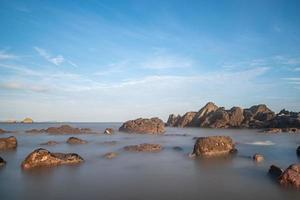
pixel 177 148
pixel 109 131
pixel 275 171
pixel 140 125
pixel 2 162
pixel 214 146
pixel 75 140
pixel 298 151
pixel 273 130
pixel 258 157
pixel 110 155
pixel 144 148
pixel 8 143
pixel 50 143
pixel 291 176
pixel 44 158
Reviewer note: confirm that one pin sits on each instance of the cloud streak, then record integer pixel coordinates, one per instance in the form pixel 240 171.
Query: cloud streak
pixel 56 60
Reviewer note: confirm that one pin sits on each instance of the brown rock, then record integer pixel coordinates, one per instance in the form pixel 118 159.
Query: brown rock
pixel 217 119
pixel 187 119
pixel 110 155
pixel 2 162
pixel 173 120
pixel 144 148
pixel 109 131
pixel 258 157
pixel 66 129
pixel 50 143
pixel 8 143
pixel 203 113
pixel 151 126
pixel 291 176
pixel 273 130
pixel 75 140
pixel 2 131
pixel 36 131
pixel 275 171
pixel 214 146
pixel 44 158
pixel 236 117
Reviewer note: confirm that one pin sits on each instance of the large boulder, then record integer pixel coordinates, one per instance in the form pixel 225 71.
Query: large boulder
pixel 214 146
pixel 187 119
pixel 173 120
pixel 291 176
pixel 140 125
pixel 2 162
pixel 44 158
pixel 8 143
pixel 144 148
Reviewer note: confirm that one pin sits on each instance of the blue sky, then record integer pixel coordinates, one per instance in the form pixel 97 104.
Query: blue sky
pixel 116 60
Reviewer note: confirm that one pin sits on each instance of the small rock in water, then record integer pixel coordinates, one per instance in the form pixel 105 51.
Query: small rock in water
pixel 2 162
pixel 258 157
pixel 291 176
pixel 109 131
pixel 144 148
pixel 177 148
pixel 44 158
pixel 75 140
pixel 275 171
pixel 50 143
pixel 110 155
pixel 8 143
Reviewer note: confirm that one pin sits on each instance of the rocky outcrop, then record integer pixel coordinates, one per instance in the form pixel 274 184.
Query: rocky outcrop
pixel 44 158
pixel 64 129
pixel 75 140
pixel 8 143
pixel 140 125
pixel 282 130
pixel 27 120
pixel 144 148
pixel 2 162
pixel 275 171
pixel 258 157
pixel 258 116
pixel 110 155
pixel 291 176
pixel 109 131
pixel 214 146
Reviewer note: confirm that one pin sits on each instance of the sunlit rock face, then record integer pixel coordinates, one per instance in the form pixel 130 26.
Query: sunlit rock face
pixel 143 126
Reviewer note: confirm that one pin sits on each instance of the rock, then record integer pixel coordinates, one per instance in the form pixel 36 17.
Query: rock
pixel 2 131
pixel 110 155
pixel 298 151
pixel 44 158
pixel 27 120
pixel 144 148
pixel 273 130
pixel 151 126
pixel 2 162
pixel 217 119
pixel 187 119
pixel 236 117
pixel 203 113
pixel 109 142
pixel 177 134
pixel 275 171
pixel 35 131
pixel 109 131
pixel 291 176
pixel 173 120
pixel 258 157
pixel 75 140
pixel 214 146
pixel 50 143
pixel 177 148
pixel 8 143
pixel 66 129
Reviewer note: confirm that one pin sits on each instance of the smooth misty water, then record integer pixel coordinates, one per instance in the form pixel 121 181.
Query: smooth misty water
pixel 166 175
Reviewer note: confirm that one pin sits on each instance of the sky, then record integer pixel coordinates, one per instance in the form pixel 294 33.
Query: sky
pixel 115 60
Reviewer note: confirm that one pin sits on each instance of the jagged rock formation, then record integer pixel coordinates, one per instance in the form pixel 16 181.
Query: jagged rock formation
pixel 258 116
pixel 140 125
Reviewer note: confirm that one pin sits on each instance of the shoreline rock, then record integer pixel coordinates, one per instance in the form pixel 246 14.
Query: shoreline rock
pixel 8 143
pixel 213 146
pixel 144 126
pixel 75 140
pixel 145 147
pixel 44 158
pixel 275 171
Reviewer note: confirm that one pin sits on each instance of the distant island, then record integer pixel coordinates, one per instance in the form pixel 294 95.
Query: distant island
pixel 257 116
pixel 27 120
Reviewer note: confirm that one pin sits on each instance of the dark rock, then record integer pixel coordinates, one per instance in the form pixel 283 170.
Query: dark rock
pixel 275 171
pixel 50 143
pixel 291 176
pixel 151 126
pixel 110 155
pixel 2 162
pixel 173 120
pixel 109 142
pixel 8 143
pixel 214 146
pixel 177 148
pixel 144 148
pixel 298 151
pixel 75 140
pixel 109 131
pixel 44 158
pixel 258 157
pixel 2 131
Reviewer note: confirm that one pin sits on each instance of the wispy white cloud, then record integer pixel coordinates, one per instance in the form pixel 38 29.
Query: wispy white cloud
pixel 6 56
pixel 56 60
pixel 24 87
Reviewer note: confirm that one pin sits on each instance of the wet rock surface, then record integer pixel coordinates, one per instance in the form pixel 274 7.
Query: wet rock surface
pixel 291 176
pixel 146 147
pixel 75 140
pixel 8 143
pixel 140 125
pixel 214 146
pixel 44 158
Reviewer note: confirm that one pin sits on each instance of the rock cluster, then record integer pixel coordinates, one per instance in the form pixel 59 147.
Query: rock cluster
pixel 44 158
pixel 258 116
pixel 140 125
pixel 214 146
pixel 64 129
pixel 8 143
pixel 144 148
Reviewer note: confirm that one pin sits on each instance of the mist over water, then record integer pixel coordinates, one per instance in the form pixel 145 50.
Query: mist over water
pixel 169 174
